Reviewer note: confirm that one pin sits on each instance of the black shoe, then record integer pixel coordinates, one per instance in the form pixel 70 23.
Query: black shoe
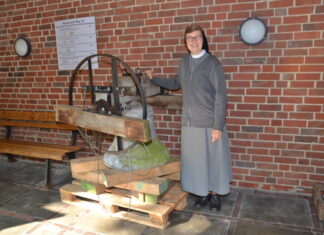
pixel 202 200
pixel 215 202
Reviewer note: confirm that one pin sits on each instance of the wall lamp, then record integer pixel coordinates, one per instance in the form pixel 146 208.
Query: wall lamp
pixel 253 31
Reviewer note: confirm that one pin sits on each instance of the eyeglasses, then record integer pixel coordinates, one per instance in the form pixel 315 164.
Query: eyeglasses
pixel 195 38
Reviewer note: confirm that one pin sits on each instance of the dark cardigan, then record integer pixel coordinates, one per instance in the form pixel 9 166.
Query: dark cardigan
pixel 203 91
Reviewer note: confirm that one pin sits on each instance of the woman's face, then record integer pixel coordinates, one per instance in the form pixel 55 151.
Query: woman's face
pixel 194 41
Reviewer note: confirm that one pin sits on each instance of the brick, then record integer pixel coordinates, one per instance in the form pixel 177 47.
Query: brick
pixel 252 129
pixel 317 18
pixel 314 100
pixel 304 10
pixel 307 35
pixel 244 164
pixel 242 6
pixel 285 160
pixel 316 124
pixel 275 4
pixel 318 148
pixel 316 92
pixel 261 158
pixel 312 27
pixel 268 76
pixel 268 166
pixel 240 171
pixel 319 9
pixel 248 185
pixel 261 173
pixel 319 178
pixel 308 139
pixel 295 19
pixel 254 179
pixel 303 169
pixel 319 171
pixel 282 188
pixel 135 23
pixel 307 2
pixel 288 181
pixel 183 19
pixel 291 100
pixel 298 44
pixel 219 8
pixel 301 84
pixel 289 28
pixel 294 52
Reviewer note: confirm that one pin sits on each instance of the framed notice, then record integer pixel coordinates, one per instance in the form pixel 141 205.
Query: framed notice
pixel 75 40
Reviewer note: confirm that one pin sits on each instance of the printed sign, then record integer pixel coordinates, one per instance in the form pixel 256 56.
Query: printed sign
pixel 75 40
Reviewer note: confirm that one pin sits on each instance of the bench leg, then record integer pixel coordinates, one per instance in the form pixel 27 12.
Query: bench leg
pixel 48 174
pixel 11 158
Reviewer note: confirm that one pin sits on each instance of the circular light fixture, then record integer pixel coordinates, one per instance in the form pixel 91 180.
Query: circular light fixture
pixel 22 47
pixel 253 31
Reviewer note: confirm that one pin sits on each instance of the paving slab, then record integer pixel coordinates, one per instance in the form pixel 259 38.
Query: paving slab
pixel 29 174
pixel 103 223
pixel 44 228
pixel 293 211
pixel 10 190
pixel 227 202
pixel 186 223
pixel 36 203
pixel 68 215
pixel 257 229
pixel 6 166
pixel 33 173
pixel 61 175
pixel 11 225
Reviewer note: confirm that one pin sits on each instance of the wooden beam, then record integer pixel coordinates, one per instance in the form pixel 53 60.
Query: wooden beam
pixel 83 165
pixel 155 186
pixel 127 127
pixel 174 196
pixel 111 177
pixel 165 101
pixel 174 176
pixel 149 88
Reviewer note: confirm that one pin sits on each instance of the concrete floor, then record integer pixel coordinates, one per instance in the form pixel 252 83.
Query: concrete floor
pixel 26 209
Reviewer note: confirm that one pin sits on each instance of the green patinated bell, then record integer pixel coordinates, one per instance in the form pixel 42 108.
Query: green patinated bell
pixel 139 157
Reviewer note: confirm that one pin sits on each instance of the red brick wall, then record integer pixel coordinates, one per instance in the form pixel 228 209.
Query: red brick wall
pixel 276 89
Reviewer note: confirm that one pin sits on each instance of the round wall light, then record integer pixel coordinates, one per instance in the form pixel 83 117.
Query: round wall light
pixel 22 47
pixel 253 31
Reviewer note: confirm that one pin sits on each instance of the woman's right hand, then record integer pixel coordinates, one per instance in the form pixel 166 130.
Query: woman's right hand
pixel 149 74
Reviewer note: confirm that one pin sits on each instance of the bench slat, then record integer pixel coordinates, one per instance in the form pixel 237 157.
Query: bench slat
pixel 65 148
pixel 27 115
pixel 31 152
pixel 37 150
pixel 53 125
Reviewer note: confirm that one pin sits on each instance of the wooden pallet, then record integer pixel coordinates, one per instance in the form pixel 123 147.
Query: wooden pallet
pixel 318 190
pixel 154 215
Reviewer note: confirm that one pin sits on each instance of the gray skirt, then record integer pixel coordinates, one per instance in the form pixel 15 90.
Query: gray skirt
pixel 206 166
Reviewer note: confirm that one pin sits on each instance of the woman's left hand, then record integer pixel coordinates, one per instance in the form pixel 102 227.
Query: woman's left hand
pixel 216 135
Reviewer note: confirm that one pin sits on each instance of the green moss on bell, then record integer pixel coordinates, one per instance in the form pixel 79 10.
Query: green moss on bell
pixel 141 156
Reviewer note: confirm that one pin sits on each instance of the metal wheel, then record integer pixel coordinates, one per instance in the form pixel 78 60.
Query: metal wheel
pixel 116 95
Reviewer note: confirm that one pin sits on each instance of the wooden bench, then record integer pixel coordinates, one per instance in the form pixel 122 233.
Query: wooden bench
pixel 44 121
